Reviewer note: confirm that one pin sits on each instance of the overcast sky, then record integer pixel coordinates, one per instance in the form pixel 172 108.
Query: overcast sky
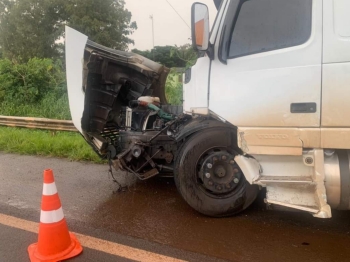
pixel 169 29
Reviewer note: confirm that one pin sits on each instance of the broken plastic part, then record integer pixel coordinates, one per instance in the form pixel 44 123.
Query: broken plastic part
pixel 250 167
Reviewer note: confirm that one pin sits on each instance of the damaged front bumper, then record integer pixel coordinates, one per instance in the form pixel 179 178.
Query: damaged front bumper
pixel 117 102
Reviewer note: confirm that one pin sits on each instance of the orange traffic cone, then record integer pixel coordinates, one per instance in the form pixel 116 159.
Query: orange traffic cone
pixel 55 242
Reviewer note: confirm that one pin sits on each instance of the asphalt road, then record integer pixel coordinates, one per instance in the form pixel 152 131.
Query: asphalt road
pixel 151 218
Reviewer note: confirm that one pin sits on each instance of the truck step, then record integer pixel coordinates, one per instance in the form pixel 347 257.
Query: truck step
pixel 285 179
pixel 313 210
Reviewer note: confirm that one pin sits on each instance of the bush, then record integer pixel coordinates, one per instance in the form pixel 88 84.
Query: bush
pixel 30 82
pixel 36 88
pixel 173 89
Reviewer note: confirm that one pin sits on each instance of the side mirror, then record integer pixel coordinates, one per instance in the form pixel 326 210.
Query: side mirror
pixel 200 27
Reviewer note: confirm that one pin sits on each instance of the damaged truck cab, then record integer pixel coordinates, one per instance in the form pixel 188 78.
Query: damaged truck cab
pixel 266 106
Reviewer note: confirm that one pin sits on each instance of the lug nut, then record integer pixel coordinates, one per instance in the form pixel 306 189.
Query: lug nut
pixel 228 186
pixel 215 159
pixel 223 157
pixel 236 180
pixel 235 170
pixel 210 183
pixel 209 165
pixel 218 188
pixel 207 175
pixel 232 162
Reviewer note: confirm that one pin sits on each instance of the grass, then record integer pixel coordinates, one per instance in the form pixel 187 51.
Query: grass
pixel 46 143
pixel 49 107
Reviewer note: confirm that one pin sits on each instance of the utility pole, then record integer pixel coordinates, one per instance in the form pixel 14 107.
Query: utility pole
pixel 151 17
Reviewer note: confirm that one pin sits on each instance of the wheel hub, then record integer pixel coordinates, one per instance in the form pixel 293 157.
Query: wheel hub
pixel 220 173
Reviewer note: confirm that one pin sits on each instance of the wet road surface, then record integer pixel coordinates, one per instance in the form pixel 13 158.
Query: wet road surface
pixel 151 216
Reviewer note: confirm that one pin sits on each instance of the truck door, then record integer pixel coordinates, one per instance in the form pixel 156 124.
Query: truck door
pixel 336 64
pixel 267 70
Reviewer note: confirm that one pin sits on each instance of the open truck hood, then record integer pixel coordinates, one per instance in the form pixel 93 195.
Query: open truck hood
pixel 101 81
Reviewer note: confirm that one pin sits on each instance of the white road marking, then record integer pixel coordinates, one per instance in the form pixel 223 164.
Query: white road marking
pixel 93 243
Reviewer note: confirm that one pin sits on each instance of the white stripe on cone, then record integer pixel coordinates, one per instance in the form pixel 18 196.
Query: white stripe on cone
pixel 49 189
pixel 48 217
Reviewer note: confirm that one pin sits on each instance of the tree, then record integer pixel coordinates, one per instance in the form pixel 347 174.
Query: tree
pixel 186 53
pixel 106 22
pixel 162 55
pixel 171 56
pixel 32 28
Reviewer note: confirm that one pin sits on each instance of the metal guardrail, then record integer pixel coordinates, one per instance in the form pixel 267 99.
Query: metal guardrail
pixel 38 123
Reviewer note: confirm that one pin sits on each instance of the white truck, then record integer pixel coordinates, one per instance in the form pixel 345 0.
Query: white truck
pixel 267 105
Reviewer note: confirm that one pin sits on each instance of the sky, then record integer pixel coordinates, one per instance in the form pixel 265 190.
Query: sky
pixel 169 29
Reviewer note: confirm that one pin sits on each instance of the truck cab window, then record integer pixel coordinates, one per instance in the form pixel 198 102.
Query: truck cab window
pixel 266 25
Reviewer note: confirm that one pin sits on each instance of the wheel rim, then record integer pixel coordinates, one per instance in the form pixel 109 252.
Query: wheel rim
pixel 218 174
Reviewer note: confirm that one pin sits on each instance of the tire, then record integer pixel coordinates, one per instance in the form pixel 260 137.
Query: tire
pixel 216 196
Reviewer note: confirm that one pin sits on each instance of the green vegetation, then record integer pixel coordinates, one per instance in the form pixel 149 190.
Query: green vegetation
pixel 36 88
pixel 171 56
pixel 46 143
pixel 186 53
pixel 162 55
pixel 173 89
pixel 106 22
pixel 31 28
pixel 29 82
pixel 49 107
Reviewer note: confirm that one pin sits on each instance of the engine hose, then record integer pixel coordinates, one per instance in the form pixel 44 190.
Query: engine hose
pixel 160 112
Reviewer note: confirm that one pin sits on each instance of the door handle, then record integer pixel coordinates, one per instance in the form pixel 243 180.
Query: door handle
pixel 298 108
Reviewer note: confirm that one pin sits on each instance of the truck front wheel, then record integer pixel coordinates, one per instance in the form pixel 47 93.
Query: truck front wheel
pixel 207 176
